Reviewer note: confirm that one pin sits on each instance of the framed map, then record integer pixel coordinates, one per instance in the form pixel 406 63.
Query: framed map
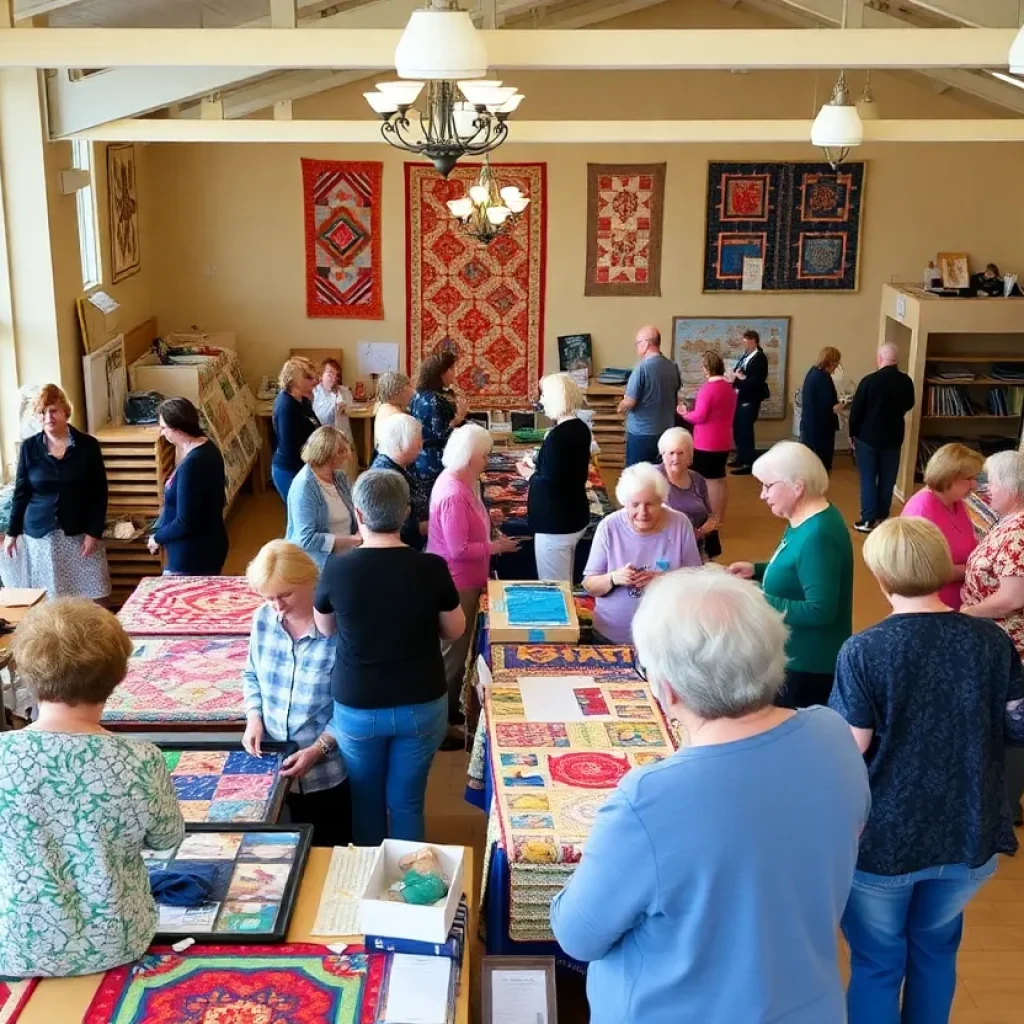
pixel 693 336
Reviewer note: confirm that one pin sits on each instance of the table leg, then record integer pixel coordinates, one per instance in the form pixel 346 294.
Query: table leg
pixel 261 477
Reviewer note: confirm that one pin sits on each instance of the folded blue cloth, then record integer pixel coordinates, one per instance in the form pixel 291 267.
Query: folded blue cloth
pixel 191 887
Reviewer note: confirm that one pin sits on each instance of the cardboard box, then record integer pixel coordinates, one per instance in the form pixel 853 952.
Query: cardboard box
pixel 402 920
pixel 501 630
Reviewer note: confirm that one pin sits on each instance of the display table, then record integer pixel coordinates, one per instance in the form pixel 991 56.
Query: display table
pixel 66 999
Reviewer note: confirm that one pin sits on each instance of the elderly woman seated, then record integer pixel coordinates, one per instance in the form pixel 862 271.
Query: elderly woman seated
pixel 810 577
pixel 78 805
pixel 287 690
pixel 394 393
pixel 712 882
pixel 688 490
pixel 399 443
pixel 632 546
pixel 321 519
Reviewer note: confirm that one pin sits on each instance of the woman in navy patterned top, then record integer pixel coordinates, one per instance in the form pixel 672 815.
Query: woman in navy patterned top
pixel 438 411
pixel 932 698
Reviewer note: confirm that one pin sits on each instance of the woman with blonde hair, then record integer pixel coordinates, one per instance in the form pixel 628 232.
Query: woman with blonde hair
pixel 55 537
pixel 633 546
pixel 287 689
pixel 558 509
pixel 394 393
pixel 321 518
pixel 949 477
pixel 294 420
pixel 810 577
pixel 78 805
pixel 932 698
pixel 820 405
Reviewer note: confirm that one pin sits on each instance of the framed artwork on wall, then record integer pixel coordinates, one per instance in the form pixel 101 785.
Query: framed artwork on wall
pixel 693 336
pixel 954 270
pixel 123 200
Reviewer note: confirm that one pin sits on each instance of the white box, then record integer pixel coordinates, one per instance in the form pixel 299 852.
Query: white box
pixel 403 920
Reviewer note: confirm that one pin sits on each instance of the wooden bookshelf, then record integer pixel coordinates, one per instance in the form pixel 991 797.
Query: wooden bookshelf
pixel 609 427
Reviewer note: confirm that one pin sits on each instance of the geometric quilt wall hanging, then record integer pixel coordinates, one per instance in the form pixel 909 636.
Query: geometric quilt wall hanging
pixel 802 219
pixel 485 303
pixel 625 207
pixel 341 201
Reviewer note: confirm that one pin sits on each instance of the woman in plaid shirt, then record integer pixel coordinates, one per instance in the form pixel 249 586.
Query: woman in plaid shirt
pixel 287 688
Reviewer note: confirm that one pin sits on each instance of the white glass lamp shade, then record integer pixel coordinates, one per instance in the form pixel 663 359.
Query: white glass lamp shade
pixel 510 192
pixel 380 103
pixel 465 119
pixel 511 105
pixel 479 194
pixel 1017 54
pixel 497 215
pixel 461 208
pixel 837 127
pixel 403 93
pixel 438 44
pixel 517 204
pixel 479 94
pixel 499 97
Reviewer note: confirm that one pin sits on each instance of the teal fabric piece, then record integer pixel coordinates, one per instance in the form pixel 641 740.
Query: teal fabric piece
pixel 536 605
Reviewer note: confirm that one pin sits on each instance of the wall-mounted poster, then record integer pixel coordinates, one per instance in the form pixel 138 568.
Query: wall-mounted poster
pixel 693 336
pixel 575 352
pixel 123 199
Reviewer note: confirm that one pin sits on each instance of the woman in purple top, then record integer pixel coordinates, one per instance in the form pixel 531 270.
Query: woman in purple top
pixel 687 489
pixel 633 546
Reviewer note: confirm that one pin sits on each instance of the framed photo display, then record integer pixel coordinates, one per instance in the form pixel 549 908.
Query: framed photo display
pixel 253 873
pixel 519 990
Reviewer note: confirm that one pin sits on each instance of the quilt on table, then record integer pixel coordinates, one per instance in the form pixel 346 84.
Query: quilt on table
pixel 190 606
pixel 342 202
pixel 174 680
pixel 485 303
pixel 802 219
pixel 287 984
pixel 227 785
pixel 13 997
pixel 605 661
pixel 505 494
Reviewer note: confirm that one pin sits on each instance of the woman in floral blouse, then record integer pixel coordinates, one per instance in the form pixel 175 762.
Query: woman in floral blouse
pixel 994 580
pixel 78 805
pixel 438 411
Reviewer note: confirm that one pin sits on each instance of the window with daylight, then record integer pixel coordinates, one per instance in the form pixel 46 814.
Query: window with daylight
pixel 88 229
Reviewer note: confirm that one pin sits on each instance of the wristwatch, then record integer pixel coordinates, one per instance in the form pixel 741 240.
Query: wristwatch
pixel 325 748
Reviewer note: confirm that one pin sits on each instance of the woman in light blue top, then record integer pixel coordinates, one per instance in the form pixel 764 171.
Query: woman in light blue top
pixel 713 881
pixel 321 518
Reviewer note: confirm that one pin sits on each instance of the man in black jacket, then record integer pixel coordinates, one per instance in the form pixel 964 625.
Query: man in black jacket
pixel 750 379
pixel 882 400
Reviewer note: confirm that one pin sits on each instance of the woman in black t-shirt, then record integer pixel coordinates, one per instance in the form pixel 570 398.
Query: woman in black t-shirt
pixel 390 607
pixel 558 509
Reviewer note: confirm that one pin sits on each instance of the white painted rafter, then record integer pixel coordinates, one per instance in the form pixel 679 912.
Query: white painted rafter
pixel 975 13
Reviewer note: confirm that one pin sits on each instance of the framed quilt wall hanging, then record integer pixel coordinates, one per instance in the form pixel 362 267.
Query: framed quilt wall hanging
pixel 802 219
pixel 483 302
pixel 341 202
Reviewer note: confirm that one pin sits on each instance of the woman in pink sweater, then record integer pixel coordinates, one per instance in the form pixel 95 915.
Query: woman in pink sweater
pixel 710 421
pixel 460 532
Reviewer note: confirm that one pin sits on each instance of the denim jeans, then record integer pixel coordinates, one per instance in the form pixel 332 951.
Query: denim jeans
pixel 642 448
pixel 387 754
pixel 743 421
pixel 878 468
pixel 904 930
pixel 282 479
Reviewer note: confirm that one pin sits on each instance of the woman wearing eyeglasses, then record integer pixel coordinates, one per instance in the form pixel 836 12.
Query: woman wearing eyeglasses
pixel 810 577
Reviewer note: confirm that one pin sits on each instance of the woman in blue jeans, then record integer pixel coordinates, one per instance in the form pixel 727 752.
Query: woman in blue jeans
pixel 932 698
pixel 390 607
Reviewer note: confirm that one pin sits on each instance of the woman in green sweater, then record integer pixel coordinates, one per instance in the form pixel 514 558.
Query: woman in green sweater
pixel 810 577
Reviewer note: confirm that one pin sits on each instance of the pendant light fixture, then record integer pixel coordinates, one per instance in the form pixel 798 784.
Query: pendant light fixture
pixel 837 129
pixel 485 211
pixel 867 107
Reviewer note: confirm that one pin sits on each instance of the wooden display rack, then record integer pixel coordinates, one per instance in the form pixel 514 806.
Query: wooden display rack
pixel 935 334
pixel 609 425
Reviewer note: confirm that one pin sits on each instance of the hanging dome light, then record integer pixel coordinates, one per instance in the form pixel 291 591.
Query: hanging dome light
pixel 439 43
pixel 837 129
pixel 867 108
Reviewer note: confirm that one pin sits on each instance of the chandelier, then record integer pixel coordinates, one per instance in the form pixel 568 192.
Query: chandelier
pixel 441 61
pixel 486 211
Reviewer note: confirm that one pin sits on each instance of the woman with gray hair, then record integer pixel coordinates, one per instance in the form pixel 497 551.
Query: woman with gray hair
pixel 810 577
pixel 681 916
pixel 399 443
pixel 994 579
pixel 632 546
pixel 388 683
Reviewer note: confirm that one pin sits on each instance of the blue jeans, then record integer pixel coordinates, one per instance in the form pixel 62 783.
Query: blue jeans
pixel 743 421
pixel 387 754
pixel 282 479
pixel 904 930
pixel 878 468
pixel 642 448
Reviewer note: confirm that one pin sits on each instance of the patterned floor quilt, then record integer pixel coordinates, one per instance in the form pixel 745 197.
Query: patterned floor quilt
pixel 190 606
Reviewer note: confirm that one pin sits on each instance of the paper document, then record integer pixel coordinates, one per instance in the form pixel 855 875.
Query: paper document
pixel 483 676
pixel 555 699
pixel 347 875
pixel 519 997
pixel 376 357
pixel 419 988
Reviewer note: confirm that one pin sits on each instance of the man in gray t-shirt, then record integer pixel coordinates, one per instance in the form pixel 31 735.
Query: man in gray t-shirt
pixel 651 396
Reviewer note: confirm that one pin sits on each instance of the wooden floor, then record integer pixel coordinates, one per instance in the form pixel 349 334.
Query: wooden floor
pixel 991 963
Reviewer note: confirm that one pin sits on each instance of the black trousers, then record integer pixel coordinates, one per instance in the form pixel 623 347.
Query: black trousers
pixel 329 811
pixel 805 689
pixel 743 432
pixel 824 449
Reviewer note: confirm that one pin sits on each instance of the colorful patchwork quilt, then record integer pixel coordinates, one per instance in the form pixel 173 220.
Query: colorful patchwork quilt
pixel 190 606
pixel 13 997
pixel 227 785
pixel 175 681
pixel 288 984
